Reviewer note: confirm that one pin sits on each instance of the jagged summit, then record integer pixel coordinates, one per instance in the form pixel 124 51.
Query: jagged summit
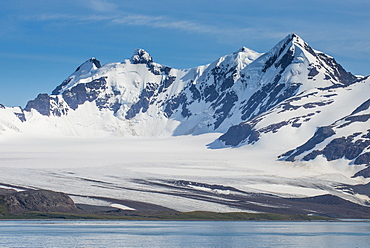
pixel 245 55
pixel 247 50
pixel 88 65
pixel 293 39
pixel 85 69
pixel 141 56
pixel 283 53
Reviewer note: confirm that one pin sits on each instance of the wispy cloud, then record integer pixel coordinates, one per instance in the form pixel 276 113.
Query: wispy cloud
pixel 163 22
pixel 66 17
pixel 102 6
pixel 135 20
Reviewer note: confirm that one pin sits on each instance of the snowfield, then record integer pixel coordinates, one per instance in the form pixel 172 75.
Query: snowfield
pixel 109 167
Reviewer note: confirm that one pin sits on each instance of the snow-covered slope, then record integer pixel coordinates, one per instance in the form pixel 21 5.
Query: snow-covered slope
pixel 10 119
pixel 347 137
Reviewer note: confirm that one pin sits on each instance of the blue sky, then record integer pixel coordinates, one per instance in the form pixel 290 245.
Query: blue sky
pixel 43 41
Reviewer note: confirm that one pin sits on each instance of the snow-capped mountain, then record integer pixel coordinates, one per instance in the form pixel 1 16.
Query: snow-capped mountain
pixel 291 105
pixel 249 94
pixel 328 116
pixel 289 90
pixel 139 94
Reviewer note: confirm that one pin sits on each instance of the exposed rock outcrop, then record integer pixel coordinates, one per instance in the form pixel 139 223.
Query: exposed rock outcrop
pixel 38 200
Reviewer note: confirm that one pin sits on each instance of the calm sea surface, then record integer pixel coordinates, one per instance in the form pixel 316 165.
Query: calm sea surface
pixel 183 234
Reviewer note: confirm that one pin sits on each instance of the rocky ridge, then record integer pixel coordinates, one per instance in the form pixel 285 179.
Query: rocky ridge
pixel 37 200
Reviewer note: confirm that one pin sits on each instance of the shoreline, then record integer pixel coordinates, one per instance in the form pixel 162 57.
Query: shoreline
pixel 168 216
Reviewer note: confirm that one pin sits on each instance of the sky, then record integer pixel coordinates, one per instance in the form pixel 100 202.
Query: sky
pixel 43 41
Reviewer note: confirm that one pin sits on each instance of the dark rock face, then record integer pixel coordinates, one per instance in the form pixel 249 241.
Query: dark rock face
pixel 166 83
pixel 41 104
pixel 336 149
pixel 220 77
pixel 74 97
pixel 362 107
pixel 342 148
pixel 141 56
pixel 274 57
pixel 339 73
pixel 363 159
pixel 364 173
pixel 172 104
pixel 255 100
pixel 274 127
pixel 210 93
pixel 93 61
pixel 315 104
pixel 358 118
pixel 267 97
pixel 81 93
pixel 236 134
pixel 143 102
pixel 313 72
pixel 285 60
pixel 39 200
pixel 196 95
pixel 2 106
pixel 320 135
pixel 21 116
pixel 222 107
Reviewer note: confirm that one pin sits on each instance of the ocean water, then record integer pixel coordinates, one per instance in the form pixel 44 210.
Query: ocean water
pixel 183 234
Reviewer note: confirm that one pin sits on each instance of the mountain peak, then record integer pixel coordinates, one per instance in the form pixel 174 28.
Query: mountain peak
pixel 284 52
pixel 95 62
pixel 85 68
pixel 247 51
pixel 294 38
pixel 244 49
pixel 88 65
pixel 141 56
pixel 288 41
